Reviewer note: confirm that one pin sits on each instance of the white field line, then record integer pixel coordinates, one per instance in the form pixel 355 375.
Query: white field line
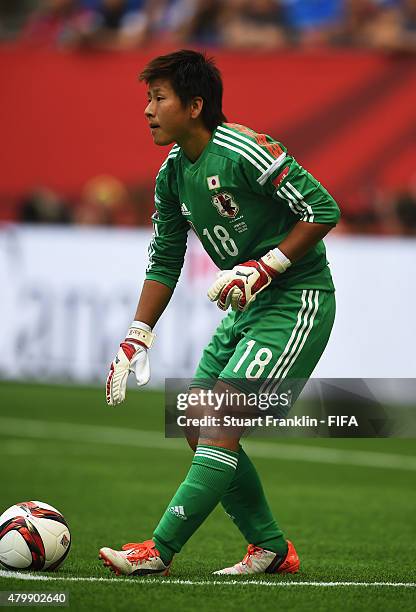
pixel 98 434
pixel 176 581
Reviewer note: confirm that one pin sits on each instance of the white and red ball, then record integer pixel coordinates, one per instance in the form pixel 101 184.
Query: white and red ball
pixel 33 536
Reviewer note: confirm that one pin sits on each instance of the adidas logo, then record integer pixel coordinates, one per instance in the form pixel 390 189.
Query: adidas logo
pixel 184 209
pixel 179 512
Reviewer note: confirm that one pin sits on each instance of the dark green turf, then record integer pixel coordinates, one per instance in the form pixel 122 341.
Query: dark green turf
pixel 348 523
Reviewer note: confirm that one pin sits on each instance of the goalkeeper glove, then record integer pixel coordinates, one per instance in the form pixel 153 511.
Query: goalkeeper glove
pixel 240 286
pixel 131 357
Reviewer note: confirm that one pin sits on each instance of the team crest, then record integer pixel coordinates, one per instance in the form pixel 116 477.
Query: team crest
pixel 225 204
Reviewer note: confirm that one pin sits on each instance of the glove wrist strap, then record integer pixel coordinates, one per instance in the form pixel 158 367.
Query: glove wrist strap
pixel 276 261
pixel 143 336
pixel 141 325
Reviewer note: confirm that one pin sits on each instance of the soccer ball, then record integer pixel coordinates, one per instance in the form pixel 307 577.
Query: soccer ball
pixel 33 536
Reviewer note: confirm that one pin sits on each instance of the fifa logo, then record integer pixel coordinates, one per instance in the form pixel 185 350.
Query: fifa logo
pixel 225 204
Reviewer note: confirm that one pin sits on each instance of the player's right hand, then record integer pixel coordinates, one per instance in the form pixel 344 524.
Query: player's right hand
pixel 131 357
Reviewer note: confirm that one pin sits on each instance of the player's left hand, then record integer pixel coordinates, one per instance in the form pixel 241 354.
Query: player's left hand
pixel 239 287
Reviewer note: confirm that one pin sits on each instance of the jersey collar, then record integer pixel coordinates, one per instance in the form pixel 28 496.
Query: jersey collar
pixel 193 166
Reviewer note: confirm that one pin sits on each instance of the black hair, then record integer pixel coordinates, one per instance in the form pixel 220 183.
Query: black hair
pixel 191 74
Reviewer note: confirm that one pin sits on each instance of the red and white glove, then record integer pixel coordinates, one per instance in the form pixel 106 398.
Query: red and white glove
pixel 239 287
pixel 131 357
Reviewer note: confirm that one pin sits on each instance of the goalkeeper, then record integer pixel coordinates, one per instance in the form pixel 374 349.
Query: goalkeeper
pixel 261 218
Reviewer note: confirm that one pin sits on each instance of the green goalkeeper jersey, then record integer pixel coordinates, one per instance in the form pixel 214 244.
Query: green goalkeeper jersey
pixel 241 197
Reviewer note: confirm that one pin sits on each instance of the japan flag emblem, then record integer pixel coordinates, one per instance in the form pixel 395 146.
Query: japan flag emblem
pixel 213 182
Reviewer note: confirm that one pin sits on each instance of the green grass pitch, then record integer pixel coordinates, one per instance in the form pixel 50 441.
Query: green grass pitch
pixel 112 480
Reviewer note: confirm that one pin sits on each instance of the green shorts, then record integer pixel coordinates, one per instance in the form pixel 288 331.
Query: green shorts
pixel 282 335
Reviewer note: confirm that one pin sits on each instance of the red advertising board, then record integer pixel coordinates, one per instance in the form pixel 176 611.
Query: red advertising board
pixel 349 117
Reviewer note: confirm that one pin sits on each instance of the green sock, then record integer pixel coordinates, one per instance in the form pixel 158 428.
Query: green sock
pixel 245 502
pixel 210 475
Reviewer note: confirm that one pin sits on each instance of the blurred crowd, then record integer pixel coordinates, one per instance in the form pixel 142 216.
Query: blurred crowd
pixel 388 25
pixel 106 201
